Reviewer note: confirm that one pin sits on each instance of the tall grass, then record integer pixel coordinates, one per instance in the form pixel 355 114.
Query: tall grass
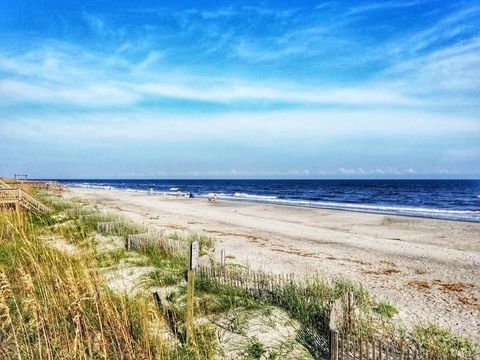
pixel 55 306
pixel 310 302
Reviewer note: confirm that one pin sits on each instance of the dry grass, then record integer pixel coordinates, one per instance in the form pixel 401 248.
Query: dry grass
pixel 419 284
pixel 454 286
pixel 389 262
pixel 387 271
pixel 470 302
pixel 56 306
pixel 356 261
pixel 419 271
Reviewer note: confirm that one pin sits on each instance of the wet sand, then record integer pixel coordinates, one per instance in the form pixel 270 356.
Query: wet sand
pixel 429 269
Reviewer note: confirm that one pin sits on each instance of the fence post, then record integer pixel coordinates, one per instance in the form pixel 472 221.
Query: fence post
pixel 158 299
pixel 222 260
pixel 333 345
pixel 350 301
pixel 128 242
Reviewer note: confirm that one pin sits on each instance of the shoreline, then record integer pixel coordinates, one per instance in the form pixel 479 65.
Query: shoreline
pixel 296 203
pixel 410 262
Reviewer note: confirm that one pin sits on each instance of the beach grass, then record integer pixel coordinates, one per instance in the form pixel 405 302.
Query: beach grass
pixel 55 305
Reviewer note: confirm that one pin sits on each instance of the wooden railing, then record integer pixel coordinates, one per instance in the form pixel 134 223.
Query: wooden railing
pixel 4 185
pixel 20 197
pixel 29 184
pixel 30 202
pixel 8 195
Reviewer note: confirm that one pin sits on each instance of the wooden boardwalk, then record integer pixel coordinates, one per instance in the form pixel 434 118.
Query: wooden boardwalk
pixel 16 197
pixel 32 184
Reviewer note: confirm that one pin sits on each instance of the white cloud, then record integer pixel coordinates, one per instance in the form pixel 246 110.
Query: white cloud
pixel 263 129
pixel 419 74
pixel 230 90
pixel 384 5
pixel 90 95
pixel 377 172
pixel 58 76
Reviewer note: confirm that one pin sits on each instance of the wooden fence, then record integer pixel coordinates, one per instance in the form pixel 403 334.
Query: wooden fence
pixel 106 227
pixel 156 240
pixel 95 217
pixel 345 344
pixel 246 279
pixel 338 341
pixel 76 212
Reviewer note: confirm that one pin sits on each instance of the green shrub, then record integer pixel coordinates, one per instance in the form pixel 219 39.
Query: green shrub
pixel 255 349
pixel 441 344
pixel 386 310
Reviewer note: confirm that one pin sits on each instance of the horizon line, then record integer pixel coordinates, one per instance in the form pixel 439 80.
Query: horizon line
pixel 258 179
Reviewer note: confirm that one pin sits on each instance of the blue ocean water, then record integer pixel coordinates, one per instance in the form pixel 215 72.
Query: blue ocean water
pixel 443 199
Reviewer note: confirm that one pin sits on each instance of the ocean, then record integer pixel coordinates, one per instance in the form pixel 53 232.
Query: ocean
pixel 441 199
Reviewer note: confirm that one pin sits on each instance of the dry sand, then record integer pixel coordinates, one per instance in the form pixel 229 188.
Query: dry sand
pixel 428 268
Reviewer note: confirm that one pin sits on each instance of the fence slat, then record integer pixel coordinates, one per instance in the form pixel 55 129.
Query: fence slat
pixel 333 344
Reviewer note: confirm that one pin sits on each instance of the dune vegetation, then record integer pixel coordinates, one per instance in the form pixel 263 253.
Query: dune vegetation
pixel 68 292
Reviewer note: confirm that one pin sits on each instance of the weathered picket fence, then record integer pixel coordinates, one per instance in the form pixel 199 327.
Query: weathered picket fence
pixel 246 279
pixel 59 202
pixel 344 346
pixel 274 288
pixel 339 340
pixel 78 211
pixel 106 227
pixel 344 343
pixel 157 240
pixel 95 217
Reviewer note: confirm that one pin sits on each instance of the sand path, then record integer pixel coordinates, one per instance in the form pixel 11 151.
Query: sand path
pixel 427 268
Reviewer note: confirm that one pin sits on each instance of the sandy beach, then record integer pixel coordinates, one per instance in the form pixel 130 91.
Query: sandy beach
pixel 427 268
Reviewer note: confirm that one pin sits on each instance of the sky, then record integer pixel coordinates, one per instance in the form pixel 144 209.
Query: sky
pixel 215 89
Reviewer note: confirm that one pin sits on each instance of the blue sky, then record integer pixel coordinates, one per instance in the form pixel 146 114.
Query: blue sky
pixel 325 89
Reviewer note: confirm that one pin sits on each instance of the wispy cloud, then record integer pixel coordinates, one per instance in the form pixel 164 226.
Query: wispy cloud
pixel 52 76
pixel 384 5
pixel 307 89
pixel 312 128
pixel 92 95
pixel 378 172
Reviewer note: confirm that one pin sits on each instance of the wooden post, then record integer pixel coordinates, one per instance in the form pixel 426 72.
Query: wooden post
pixel 333 345
pixel 222 260
pixel 158 299
pixel 354 348
pixel 342 347
pixel 190 305
pixel 193 262
pixel 350 312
